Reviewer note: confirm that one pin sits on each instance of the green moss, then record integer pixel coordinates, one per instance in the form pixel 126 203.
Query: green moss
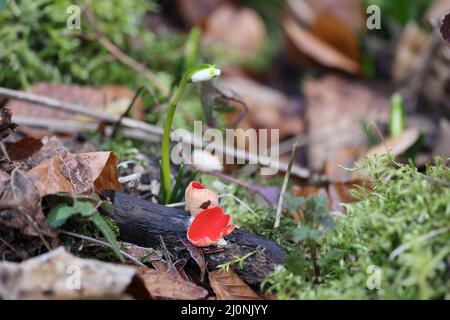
pixel 404 206
pixel 36 45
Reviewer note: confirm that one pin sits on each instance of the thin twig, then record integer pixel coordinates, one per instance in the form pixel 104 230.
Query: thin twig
pixel 283 188
pixel 122 57
pixel 74 126
pixel 35 226
pixel 80 236
pixel 6 243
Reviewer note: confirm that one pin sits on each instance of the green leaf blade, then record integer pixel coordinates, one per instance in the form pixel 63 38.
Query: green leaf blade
pixel 59 215
pixel 106 230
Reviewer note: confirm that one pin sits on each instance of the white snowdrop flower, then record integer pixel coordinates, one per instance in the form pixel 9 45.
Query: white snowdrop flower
pixel 206 161
pixel 205 74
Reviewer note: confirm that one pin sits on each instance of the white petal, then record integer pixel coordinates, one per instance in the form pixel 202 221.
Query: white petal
pixel 205 74
pixel 206 161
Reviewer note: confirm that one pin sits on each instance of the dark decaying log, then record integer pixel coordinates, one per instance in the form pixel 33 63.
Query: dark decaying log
pixel 145 224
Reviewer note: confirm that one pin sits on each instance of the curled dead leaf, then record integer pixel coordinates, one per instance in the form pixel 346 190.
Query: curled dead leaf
pixel 396 145
pixel 169 286
pixel 317 49
pixel 228 286
pixel 197 255
pixel 76 173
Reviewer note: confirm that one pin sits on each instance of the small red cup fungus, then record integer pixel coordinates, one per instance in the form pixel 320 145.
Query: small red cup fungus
pixel 209 227
pixel 198 198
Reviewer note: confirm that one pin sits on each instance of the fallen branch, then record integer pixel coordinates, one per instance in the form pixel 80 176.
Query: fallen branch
pixel 143 223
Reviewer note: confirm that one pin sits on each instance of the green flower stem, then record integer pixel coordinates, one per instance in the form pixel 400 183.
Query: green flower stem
pixel 165 147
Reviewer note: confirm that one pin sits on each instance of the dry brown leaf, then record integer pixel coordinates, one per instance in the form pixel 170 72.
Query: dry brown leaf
pixel 306 191
pixel 339 193
pixel 76 173
pixel 337 34
pixel 24 205
pixel 197 255
pixel 334 108
pixel 52 147
pixel 23 149
pixel 240 30
pixel 60 275
pixel 349 11
pixel 342 158
pixel 339 189
pixel 169 286
pixel 317 49
pixel 396 145
pixel 228 286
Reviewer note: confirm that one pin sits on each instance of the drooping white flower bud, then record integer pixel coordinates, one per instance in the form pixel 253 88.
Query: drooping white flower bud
pixel 205 74
pixel 204 160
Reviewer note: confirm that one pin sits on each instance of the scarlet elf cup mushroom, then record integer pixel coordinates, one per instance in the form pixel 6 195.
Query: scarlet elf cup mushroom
pixel 209 223
pixel 198 198
pixel 209 227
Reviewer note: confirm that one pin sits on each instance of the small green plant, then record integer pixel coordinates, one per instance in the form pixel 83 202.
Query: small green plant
pixel 200 73
pixel 397 116
pixel 239 261
pixel 86 207
pixel 315 222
